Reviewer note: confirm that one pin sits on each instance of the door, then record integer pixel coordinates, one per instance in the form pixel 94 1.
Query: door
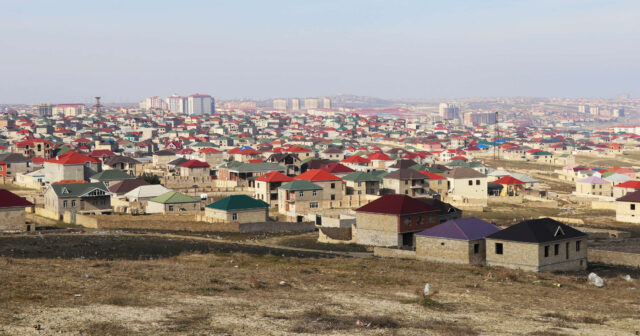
pixel 407 239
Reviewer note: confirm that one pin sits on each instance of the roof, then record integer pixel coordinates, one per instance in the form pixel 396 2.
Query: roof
pixel 111 175
pixel 13 158
pixel 72 158
pixel 443 207
pixel 336 168
pixel 355 159
pixel 11 200
pixel 243 167
pixel 174 197
pixel 146 191
pixel 317 175
pixel 300 185
pixel 629 185
pixel 594 180
pixel 461 229
pixel 406 174
pixel 396 204
pixel 65 190
pixel 508 180
pixel 630 197
pixel 361 176
pixel 274 176
pixel 458 173
pixel 194 164
pixel 127 185
pixel 403 163
pixel 238 202
pixel 538 231
pixel 120 159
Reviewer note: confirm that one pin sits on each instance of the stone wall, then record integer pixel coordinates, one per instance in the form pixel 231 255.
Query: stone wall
pixel 336 235
pixel 13 219
pixel 615 258
pixel 385 252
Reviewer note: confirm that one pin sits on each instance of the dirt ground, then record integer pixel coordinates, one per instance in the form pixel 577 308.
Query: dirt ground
pixel 115 284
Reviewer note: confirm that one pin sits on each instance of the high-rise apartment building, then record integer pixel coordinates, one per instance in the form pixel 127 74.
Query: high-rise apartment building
pixel 594 110
pixel 480 118
pixel 68 110
pixel 45 110
pixel 177 104
pixel 280 104
pixel 295 104
pixel 448 111
pixel 200 104
pixel 583 108
pixel 311 103
pixel 326 103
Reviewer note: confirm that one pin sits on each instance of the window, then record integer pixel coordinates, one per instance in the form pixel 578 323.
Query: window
pixel 359 184
pixel 477 182
pixel 406 182
pixel 578 245
pixel 315 193
pixel 171 208
pixel 301 194
pixel 406 222
pixel 64 204
pixel 546 251
pixel 633 206
pixel 439 182
pixel 470 182
pixel 73 203
pixel 333 197
pixel 333 185
pixel 476 248
pixel 498 248
pixel 313 205
pixel 556 249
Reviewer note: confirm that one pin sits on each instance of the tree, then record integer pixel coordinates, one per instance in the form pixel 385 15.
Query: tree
pixel 150 178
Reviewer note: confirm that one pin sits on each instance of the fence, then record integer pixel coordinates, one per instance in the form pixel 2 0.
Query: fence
pixel 615 258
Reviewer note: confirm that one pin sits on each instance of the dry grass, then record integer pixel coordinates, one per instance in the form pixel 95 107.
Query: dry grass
pixel 236 293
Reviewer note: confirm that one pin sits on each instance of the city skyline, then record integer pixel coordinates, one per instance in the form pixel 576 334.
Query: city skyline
pixel 421 50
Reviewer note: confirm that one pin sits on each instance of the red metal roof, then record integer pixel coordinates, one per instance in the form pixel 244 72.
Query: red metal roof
pixel 274 176
pixel 9 200
pixel 317 175
pixel 72 158
pixel 194 164
pixel 508 180
pixel 396 204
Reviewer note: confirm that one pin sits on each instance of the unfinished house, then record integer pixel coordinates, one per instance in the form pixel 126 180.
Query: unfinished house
pixel 12 211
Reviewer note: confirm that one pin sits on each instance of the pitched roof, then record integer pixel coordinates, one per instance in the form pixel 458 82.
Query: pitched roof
pixel 355 159
pixel 10 200
pixel 336 168
pixel 274 176
pixel 146 191
pixel 403 163
pixel 111 175
pixel 243 167
pixel 194 164
pixel 594 180
pixel 508 180
pixel 630 197
pixel 13 158
pixel 238 202
pixel 629 184
pixel 120 159
pixel 360 176
pixel 72 158
pixel 443 207
pixel 462 229
pixel 127 185
pixel 65 190
pixel 396 204
pixel 462 173
pixel 174 197
pixel 432 176
pixel 300 185
pixel 406 174
pixel 537 231
pixel 315 175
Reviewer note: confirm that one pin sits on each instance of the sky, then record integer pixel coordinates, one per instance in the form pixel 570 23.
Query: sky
pixel 70 51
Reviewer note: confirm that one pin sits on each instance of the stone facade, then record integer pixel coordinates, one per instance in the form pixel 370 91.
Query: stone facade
pixel 450 250
pixel 628 212
pixel 178 208
pixel 391 230
pixel 560 255
pixel 239 216
pixel 13 219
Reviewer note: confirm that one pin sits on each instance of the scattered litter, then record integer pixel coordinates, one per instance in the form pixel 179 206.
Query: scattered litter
pixel 557 285
pixel 236 266
pixel 426 289
pixel 363 324
pixel 77 295
pixel 595 280
pixel 282 283
pixel 38 327
pixel 86 275
pixel 627 277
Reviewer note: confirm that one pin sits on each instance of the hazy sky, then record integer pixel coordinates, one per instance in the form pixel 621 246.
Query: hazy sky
pixel 70 51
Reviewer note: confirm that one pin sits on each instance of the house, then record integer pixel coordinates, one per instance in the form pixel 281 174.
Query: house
pixel 173 202
pixel 628 207
pixel 446 211
pixel 466 185
pixel 12 164
pixel 111 176
pixel 194 168
pixel 161 158
pixel 458 241
pixel 289 160
pixel 332 185
pixel 145 192
pixel 332 153
pixel 539 245
pixel 125 186
pixel 299 197
pixel 129 165
pixel 82 198
pixel 510 186
pixel 12 211
pixel 237 208
pixel 363 183
pixel 594 186
pixel 71 166
pixel 336 169
pixel 245 173
pixel 624 188
pixel 405 181
pixel 266 186
pixel 393 220
pixel 435 184
pixel 35 148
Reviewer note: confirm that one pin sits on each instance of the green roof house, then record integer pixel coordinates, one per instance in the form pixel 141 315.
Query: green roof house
pixel 173 202
pixel 237 209
pixel 111 176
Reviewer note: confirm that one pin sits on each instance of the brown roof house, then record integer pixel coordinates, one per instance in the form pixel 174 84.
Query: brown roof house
pixel 392 220
pixel 539 245
pixel 628 208
pixel 405 181
pixel 466 186
pixel 12 211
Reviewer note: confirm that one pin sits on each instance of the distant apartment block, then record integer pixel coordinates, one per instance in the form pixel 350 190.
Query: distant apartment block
pixel 200 104
pixel 280 104
pixel 326 103
pixel 311 103
pixel 68 110
pixel 45 110
pixel 480 118
pixel 448 111
pixel 177 104
pixel 295 104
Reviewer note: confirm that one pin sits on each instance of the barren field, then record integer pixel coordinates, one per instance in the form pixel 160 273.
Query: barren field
pixel 113 284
